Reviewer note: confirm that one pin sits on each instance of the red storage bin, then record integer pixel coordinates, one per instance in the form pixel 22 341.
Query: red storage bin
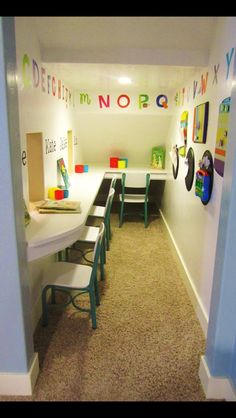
pixel 114 162
pixel 79 168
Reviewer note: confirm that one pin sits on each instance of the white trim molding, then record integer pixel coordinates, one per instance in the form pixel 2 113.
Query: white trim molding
pixel 198 307
pixel 20 383
pixel 215 387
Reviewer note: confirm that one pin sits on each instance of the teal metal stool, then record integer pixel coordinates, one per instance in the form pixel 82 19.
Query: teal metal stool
pixel 134 181
pixel 101 212
pixel 68 277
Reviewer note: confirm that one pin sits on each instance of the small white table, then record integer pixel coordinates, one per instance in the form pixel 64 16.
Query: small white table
pixel 155 174
pixel 47 234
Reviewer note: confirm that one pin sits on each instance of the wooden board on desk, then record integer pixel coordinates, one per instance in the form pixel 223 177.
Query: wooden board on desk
pixel 59 206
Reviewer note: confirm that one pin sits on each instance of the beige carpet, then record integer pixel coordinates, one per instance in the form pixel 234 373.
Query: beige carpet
pixel 148 342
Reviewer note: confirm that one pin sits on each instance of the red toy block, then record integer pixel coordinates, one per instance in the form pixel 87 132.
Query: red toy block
pixel 59 194
pixel 79 168
pixel 114 162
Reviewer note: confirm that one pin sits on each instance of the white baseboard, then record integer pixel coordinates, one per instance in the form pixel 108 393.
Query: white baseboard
pixel 20 383
pixel 199 309
pixel 215 387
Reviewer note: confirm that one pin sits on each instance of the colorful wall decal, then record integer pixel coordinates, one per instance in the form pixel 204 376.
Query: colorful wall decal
pixel 190 174
pixel 216 69
pixel 184 126
pixel 204 178
pixel 174 156
pixel 200 123
pixel 162 101
pixel 183 132
pixel 143 101
pixel 37 77
pixel 228 61
pixel 222 136
pixel 85 98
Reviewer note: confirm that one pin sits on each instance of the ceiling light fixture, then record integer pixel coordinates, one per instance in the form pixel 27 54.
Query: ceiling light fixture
pixel 124 80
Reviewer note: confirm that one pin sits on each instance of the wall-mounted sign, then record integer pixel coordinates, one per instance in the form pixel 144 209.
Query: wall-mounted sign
pixel 222 136
pixel 204 178
pixel 200 123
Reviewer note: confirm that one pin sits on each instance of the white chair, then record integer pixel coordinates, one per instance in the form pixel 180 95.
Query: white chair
pixel 99 212
pixel 79 278
pixel 136 181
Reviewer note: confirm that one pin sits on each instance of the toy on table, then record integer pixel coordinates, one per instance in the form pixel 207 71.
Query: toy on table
pixel 81 168
pixel 55 193
pixel 117 162
pixel 65 191
pixel 158 157
pixel 64 173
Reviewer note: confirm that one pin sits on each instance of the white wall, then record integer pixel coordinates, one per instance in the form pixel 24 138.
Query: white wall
pixel 129 132
pixel 194 226
pixel 41 111
pixel 131 136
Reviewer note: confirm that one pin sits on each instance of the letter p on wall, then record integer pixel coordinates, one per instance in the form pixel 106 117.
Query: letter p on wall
pixel 143 101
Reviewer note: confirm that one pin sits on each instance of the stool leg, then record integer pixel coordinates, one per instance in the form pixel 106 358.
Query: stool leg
pixel 145 214
pixel 121 214
pixel 44 307
pixel 53 295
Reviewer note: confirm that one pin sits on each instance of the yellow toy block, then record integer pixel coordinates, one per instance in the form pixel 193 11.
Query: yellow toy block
pixel 121 164
pixel 51 192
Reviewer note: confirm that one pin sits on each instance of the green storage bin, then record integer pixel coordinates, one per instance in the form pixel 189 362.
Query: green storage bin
pixel 158 157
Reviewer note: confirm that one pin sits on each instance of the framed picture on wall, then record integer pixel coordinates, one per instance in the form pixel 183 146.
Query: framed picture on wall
pixel 200 123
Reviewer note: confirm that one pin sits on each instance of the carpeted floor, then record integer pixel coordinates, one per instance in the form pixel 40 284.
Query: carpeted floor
pixel 148 342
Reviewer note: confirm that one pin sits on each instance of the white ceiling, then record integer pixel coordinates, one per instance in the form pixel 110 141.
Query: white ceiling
pixel 193 33
pixel 104 77
pixel 156 52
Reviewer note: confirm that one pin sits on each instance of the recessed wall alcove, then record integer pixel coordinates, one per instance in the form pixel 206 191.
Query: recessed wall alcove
pixel 34 143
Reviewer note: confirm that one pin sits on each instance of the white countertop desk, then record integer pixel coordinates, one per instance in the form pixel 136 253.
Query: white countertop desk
pixel 47 234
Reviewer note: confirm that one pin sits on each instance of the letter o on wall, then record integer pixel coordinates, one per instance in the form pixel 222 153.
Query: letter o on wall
pixel 123 103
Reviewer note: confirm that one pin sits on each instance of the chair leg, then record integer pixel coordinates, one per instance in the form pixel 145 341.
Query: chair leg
pixel 93 309
pixel 60 256
pixel 67 253
pixel 145 215
pixel 109 229
pixel 103 249
pixel 44 307
pixel 107 237
pixel 53 296
pixel 97 298
pixel 102 272
pixel 121 214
